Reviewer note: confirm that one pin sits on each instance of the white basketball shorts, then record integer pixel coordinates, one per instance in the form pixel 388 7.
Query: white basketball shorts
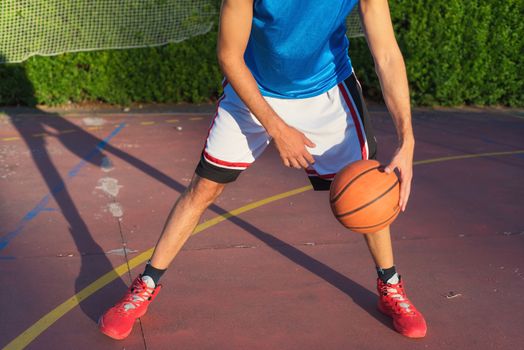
pixel 337 121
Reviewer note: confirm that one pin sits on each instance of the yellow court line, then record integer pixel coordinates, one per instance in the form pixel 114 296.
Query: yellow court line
pixel 25 338
pixel 42 134
pixel 147 123
pixel 467 156
pixel 10 138
pixel 45 322
pixel 196 118
pixel 68 131
pixel 172 121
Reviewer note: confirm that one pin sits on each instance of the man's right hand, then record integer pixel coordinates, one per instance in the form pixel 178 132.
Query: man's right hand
pixel 291 145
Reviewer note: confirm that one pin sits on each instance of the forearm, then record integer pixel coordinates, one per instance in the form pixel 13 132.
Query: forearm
pixel 391 71
pixel 389 64
pixel 393 80
pixel 244 84
pixel 236 18
pixel 234 31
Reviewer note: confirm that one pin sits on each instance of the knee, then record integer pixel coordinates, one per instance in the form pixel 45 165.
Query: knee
pixel 202 191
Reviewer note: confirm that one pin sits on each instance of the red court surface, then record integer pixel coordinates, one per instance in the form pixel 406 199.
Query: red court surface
pixel 77 188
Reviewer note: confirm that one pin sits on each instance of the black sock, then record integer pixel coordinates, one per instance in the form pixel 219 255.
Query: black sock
pixel 386 274
pixel 153 272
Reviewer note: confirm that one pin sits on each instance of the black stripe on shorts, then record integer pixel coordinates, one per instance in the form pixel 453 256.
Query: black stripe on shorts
pixel 214 173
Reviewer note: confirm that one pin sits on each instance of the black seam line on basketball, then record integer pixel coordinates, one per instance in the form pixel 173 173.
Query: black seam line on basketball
pixel 382 223
pixel 369 203
pixel 337 197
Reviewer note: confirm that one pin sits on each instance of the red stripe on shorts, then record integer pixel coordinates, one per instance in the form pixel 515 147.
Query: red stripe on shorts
pixel 312 172
pixel 225 163
pixel 356 119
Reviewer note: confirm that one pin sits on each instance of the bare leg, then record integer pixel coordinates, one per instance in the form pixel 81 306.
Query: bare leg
pixel 183 219
pixel 379 244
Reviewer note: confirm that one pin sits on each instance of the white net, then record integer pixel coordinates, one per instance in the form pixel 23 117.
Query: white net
pixel 354 28
pixel 51 27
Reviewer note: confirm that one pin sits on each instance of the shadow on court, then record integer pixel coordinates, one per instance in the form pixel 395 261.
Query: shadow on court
pixel 93 150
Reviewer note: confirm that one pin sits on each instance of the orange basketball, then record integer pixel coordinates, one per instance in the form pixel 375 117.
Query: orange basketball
pixel 364 198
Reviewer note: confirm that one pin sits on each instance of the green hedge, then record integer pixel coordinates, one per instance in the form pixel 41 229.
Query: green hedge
pixel 457 52
pixel 179 72
pixel 463 51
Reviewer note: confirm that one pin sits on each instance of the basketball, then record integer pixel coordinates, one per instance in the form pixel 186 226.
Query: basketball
pixel 364 198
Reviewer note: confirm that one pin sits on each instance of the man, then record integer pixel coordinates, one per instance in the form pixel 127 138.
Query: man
pixel 289 79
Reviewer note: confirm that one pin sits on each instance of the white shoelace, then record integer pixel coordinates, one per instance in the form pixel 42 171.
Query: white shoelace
pixel 129 306
pixel 402 302
pixel 143 296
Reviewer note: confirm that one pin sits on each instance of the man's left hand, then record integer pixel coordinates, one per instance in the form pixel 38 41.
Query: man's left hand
pixel 403 161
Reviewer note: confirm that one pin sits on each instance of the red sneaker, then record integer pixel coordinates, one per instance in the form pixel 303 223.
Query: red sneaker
pixel 393 302
pixel 118 321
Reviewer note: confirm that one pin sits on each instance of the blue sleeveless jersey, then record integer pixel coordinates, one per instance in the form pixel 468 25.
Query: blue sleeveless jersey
pixel 299 48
